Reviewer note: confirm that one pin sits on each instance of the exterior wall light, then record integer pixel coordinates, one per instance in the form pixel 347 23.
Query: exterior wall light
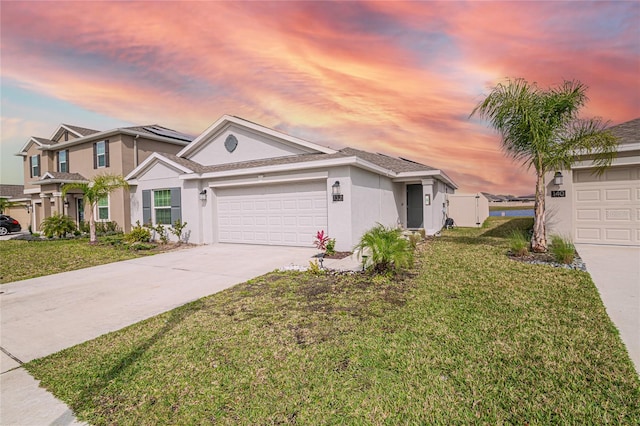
pixel 557 178
pixel 335 191
pixel 66 203
pixel 203 195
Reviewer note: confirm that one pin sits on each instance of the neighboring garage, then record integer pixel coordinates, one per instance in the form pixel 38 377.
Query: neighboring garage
pixel 287 214
pixel 607 206
pixel 604 208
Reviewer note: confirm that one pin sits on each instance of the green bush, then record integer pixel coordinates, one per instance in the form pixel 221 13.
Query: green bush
pixel 562 249
pixel 107 228
pixel 112 240
pixel 519 243
pixel 141 246
pixel 331 247
pixel 57 225
pixel 138 234
pixel 177 229
pixel 385 250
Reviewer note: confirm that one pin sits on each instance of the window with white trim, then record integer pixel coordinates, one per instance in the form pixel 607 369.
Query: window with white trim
pixel 35 165
pixel 162 206
pixel 103 209
pixel 63 161
pixel 101 154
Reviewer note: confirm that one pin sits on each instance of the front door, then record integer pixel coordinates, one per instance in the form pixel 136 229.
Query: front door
pixel 415 215
pixel 80 210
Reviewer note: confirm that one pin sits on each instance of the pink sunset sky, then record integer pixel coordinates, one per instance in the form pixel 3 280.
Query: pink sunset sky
pixel 400 78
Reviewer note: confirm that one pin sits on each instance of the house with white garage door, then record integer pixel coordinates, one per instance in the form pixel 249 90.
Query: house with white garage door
pixel 240 182
pixel 599 208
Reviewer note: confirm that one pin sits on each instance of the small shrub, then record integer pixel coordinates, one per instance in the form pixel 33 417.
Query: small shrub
pixel 138 234
pixel 331 246
pixel 107 228
pixel 160 231
pixel 84 227
pixel 386 250
pixel 112 240
pixel 314 268
pixel 562 249
pixel 177 229
pixel 141 246
pixel 519 243
pixel 57 225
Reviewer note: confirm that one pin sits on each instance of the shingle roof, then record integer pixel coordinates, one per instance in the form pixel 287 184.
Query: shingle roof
pixel 397 165
pixel 628 132
pixel 11 191
pixel 64 176
pixel 394 164
pixel 44 141
pixel 81 130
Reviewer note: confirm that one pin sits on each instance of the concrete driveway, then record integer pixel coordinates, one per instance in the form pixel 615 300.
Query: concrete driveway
pixel 43 315
pixel 616 272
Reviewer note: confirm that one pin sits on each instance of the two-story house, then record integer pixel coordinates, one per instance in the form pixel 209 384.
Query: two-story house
pixel 77 154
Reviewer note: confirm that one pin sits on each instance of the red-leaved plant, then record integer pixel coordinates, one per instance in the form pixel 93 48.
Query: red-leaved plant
pixel 321 240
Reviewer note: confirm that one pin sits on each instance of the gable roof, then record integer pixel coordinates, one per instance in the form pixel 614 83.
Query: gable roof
pixel 226 120
pixel 153 131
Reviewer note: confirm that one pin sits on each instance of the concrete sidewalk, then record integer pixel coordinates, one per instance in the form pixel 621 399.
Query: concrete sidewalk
pixel 44 315
pixel 615 270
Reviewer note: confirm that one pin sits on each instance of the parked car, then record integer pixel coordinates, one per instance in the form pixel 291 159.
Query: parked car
pixel 8 224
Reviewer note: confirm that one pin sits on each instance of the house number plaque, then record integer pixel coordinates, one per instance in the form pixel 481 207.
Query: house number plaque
pixel 558 194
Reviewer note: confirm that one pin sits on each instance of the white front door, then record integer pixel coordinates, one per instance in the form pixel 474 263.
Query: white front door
pixel 285 214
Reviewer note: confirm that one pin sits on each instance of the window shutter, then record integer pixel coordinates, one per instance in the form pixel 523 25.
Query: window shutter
pixel 39 171
pixel 176 210
pixel 30 166
pixel 106 153
pixel 58 160
pixel 67 157
pixel 95 155
pixel 146 206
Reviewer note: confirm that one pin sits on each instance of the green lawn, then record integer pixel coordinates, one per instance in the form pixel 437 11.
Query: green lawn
pixel 30 259
pixel 468 337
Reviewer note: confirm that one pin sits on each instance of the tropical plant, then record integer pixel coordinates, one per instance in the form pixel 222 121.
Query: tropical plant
pixel 57 225
pixel 518 243
pixel 384 249
pixel 563 249
pixel 94 190
pixel 321 240
pixel 541 128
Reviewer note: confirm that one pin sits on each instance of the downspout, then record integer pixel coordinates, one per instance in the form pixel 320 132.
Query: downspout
pixel 135 151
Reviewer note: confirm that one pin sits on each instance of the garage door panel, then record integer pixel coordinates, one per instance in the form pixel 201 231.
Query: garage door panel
pixel 287 214
pixel 607 208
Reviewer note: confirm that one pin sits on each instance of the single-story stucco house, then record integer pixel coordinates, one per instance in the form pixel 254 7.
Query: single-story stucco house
pixel 599 208
pixel 240 182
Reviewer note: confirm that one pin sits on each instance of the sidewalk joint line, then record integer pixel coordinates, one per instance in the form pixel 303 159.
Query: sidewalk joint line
pixel 6 352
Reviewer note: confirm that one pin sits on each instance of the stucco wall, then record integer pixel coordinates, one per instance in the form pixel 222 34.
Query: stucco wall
pixel 251 146
pixel 373 200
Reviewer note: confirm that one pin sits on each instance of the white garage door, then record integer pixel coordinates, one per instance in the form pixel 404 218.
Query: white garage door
pixel 287 214
pixel 608 206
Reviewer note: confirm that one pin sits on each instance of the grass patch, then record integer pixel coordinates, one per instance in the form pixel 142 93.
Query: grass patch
pixel 29 259
pixel 468 336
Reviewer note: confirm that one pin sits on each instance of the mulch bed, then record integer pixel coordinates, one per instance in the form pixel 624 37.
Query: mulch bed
pixel 338 255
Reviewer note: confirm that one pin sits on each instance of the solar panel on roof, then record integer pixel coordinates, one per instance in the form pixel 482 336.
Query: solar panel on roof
pixel 161 131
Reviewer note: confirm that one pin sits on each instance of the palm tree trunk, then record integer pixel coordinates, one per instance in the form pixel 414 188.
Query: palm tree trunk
pixel 92 226
pixel 539 238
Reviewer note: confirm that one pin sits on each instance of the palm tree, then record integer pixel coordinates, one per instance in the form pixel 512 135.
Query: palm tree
pixel 541 129
pixel 5 204
pixel 94 190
